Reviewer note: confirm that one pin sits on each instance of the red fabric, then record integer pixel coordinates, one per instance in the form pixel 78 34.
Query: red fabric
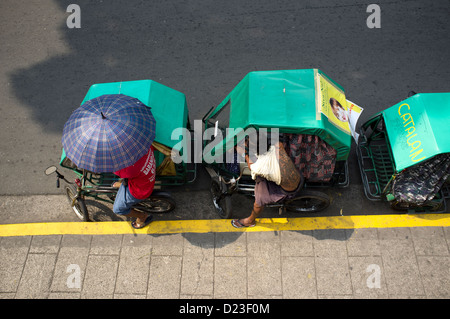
pixel 141 176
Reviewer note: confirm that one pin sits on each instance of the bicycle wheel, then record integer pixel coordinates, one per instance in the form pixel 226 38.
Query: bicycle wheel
pixel 158 204
pixel 221 203
pixel 308 202
pixel 78 205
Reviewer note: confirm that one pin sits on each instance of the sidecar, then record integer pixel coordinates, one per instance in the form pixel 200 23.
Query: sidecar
pixel 404 153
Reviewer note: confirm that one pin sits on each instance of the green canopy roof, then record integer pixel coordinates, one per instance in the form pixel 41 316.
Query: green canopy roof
pixel 295 101
pixel 168 106
pixel 418 128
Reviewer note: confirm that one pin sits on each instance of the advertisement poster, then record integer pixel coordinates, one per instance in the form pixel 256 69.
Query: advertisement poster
pixel 354 111
pixel 333 104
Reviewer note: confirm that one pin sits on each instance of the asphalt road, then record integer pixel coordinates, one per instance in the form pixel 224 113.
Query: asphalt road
pixel 202 48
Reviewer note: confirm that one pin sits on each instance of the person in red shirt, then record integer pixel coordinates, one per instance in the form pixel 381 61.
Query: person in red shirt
pixel 137 185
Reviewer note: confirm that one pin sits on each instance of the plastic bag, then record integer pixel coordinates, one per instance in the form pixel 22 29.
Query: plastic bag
pixel 267 166
pixel 420 183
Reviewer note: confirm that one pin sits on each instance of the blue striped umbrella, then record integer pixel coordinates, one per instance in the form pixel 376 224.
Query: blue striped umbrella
pixel 108 133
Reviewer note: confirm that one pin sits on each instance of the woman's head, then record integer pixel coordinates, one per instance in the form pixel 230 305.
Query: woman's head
pixel 338 110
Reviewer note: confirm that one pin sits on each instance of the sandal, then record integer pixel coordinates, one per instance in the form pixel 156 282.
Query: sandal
pixel 237 224
pixel 148 220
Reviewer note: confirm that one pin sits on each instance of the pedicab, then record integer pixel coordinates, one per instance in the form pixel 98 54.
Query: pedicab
pixel 169 109
pixel 404 153
pixel 293 106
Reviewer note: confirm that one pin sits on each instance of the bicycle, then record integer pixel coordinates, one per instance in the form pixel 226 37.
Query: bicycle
pixel 97 186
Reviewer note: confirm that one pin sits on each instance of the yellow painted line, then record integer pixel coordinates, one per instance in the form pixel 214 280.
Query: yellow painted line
pixel 224 225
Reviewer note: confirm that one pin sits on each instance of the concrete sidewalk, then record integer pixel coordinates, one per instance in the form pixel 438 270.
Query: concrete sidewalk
pixel 407 262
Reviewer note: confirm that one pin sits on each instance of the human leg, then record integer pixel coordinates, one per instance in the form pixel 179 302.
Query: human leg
pixel 123 205
pixel 250 220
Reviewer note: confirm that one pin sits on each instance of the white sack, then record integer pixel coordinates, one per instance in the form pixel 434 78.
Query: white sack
pixel 267 166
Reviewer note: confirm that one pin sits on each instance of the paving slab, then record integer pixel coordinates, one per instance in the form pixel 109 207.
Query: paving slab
pixel 36 277
pixel 367 276
pixel 298 277
pixel 197 277
pixel 401 268
pixel 230 277
pixel 264 264
pixel 132 275
pixel 164 277
pixel 100 278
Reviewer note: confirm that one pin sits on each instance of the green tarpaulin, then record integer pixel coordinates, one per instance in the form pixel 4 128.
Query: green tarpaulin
pixel 295 101
pixel 418 128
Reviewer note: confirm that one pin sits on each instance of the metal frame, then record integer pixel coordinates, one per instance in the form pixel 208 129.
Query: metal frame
pixel 95 185
pixel 375 158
